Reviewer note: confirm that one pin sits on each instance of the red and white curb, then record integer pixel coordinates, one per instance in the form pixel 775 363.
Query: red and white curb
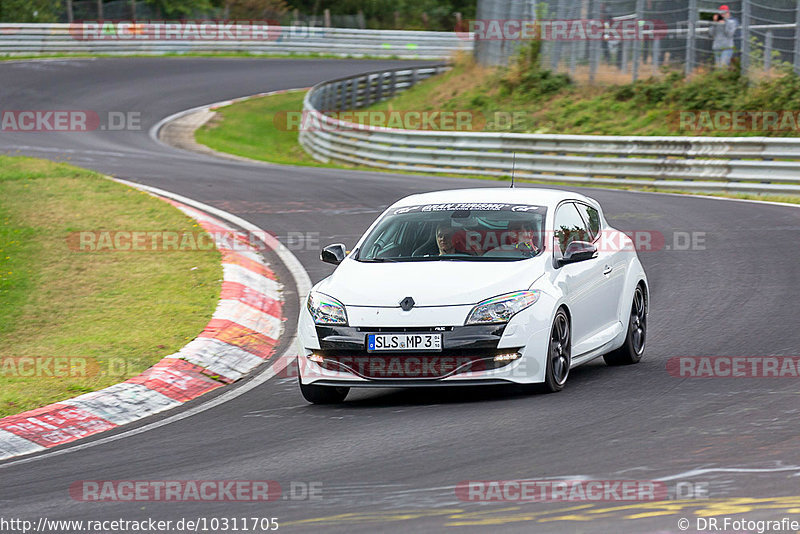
pixel 242 333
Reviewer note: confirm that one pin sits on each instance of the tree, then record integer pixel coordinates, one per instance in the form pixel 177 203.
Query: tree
pixel 178 9
pixel 29 10
pixel 255 9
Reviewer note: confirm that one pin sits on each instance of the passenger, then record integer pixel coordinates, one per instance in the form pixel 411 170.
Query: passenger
pixel 522 236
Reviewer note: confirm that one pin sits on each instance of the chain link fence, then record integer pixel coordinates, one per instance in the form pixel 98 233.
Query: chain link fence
pixel 671 33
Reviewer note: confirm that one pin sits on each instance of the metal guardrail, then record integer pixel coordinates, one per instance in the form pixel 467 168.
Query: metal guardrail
pixel 162 38
pixel 736 164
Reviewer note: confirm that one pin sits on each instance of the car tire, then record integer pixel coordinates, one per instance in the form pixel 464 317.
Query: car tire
pixel 559 353
pixel 323 394
pixel 632 349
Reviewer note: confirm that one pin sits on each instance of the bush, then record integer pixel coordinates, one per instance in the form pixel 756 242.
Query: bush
pixel 718 89
pixel 526 78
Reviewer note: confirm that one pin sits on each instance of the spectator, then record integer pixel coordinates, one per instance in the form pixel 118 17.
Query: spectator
pixel 722 30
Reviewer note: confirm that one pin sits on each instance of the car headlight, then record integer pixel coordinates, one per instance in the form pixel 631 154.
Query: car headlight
pixel 326 310
pixel 501 309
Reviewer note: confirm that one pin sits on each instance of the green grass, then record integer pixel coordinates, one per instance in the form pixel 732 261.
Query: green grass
pixel 116 313
pixel 250 129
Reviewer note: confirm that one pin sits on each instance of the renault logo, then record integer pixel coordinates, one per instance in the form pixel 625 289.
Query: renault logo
pixel 407 303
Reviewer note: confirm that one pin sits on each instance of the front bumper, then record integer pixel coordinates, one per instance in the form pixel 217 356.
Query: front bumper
pixel 472 348
pixel 468 353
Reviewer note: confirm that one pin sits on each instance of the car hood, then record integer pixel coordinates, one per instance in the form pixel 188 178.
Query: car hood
pixel 429 283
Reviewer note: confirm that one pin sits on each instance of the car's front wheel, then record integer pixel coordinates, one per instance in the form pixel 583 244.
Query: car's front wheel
pixel 323 394
pixel 632 349
pixel 559 354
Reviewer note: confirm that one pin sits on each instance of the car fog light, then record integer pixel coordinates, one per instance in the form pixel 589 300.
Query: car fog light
pixel 507 357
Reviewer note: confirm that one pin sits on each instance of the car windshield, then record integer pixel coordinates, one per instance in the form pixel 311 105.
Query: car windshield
pixel 457 231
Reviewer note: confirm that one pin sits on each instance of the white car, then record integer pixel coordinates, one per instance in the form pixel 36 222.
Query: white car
pixel 474 286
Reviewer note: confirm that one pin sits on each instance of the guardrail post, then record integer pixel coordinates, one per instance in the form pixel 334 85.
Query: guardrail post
pixel 691 37
pixel 745 37
pixel 414 77
pixel 797 39
pixel 341 93
pixel 353 93
pixel 393 83
pixel 368 95
pixel 379 88
pixel 768 51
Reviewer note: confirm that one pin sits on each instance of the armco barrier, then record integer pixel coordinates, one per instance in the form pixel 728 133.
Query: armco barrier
pixel 177 38
pixel 736 164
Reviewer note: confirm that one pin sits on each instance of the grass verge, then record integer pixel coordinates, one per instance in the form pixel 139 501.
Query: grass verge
pixel 251 129
pixel 72 322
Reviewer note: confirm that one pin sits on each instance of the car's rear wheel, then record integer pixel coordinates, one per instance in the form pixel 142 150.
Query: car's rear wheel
pixel 323 394
pixel 559 354
pixel 632 349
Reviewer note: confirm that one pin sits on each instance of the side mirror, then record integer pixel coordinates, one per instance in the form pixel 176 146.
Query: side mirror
pixel 334 254
pixel 578 251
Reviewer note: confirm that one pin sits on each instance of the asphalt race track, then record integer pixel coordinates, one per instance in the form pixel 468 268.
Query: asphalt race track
pixel 389 460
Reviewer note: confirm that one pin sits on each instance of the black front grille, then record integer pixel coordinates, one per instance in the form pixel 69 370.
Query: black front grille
pixel 403 329
pixel 483 337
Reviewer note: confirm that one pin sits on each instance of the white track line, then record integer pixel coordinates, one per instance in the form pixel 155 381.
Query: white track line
pixel 697 472
pixel 302 283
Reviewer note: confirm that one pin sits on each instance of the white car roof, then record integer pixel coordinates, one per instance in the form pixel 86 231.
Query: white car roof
pixel 521 195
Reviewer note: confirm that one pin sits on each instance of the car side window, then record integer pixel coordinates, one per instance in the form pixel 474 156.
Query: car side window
pixel 569 226
pixel 591 217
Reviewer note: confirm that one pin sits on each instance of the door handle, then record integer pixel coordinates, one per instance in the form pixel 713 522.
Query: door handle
pixel 607 270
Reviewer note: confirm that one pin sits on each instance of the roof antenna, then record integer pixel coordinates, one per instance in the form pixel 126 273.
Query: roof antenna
pixel 513 166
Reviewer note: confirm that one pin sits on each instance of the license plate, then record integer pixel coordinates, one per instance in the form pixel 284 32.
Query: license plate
pixel 404 342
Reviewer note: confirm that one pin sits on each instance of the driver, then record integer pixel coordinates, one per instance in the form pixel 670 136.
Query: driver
pixel 444 239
